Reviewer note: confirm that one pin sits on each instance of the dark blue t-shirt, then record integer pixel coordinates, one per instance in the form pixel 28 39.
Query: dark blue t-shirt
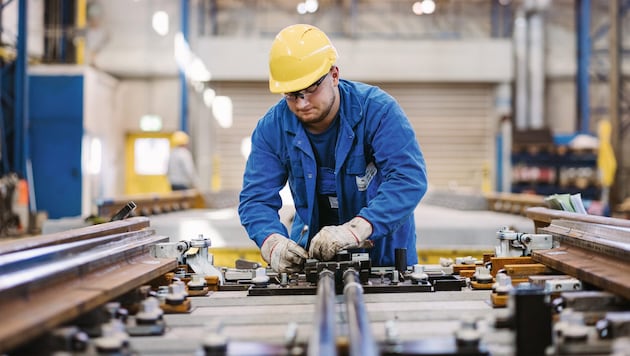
pixel 324 148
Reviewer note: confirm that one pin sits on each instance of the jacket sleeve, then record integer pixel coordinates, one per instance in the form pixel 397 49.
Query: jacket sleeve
pixel 401 163
pixel 265 175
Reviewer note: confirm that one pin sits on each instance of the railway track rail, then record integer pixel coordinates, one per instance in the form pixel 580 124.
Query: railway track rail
pixel 51 279
pixel 591 248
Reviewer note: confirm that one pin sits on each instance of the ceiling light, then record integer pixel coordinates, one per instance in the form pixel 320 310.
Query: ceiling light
pixel 160 23
pixel 208 96
pixel 311 5
pixel 417 8
pixel 428 6
pixel 222 111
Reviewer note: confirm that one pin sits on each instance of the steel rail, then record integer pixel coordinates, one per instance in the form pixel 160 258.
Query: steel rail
pixel 607 240
pixel 323 339
pixel 38 266
pixel 42 288
pixel 360 334
pixel 84 233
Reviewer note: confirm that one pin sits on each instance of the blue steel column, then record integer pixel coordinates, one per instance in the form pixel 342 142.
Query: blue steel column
pixel 583 23
pixel 21 142
pixel 183 115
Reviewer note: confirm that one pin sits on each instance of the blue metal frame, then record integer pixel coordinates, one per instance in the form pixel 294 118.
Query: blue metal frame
pixel 21 142
pixel 183 115
pixel 583 24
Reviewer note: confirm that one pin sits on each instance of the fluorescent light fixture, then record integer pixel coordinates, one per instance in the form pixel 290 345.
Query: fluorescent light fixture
pixel 222 111
pixel 308 6
pixel 417 8
pixel 423 7
pixel 428 6
pixel 208 96
pixel 188 62
pixel 197 70
pixel 160 23
pixel 311 6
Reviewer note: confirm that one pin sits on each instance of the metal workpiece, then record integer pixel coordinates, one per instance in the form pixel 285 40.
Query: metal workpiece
pixel 361 340
pixel 323 340
pixel 516 244
pixel 193 253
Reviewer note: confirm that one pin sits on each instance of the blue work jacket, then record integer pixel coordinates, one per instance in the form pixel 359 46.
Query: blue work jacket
pixel 379 168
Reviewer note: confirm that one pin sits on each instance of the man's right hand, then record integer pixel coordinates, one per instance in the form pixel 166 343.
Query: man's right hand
pixel 283 254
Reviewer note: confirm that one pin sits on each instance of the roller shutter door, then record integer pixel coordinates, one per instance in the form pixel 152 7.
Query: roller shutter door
pixel 454 123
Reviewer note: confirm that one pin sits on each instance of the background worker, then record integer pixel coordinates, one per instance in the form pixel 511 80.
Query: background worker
pixel 351 158
pixel 181 171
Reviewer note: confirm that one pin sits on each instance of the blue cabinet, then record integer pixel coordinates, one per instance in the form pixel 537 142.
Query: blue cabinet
pixel 56 133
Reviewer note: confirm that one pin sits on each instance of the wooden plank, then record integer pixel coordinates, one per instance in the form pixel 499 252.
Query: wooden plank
pixel 608 273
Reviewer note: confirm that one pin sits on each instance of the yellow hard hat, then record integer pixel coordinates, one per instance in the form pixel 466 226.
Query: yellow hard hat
pixel 180 138
pixel 300 54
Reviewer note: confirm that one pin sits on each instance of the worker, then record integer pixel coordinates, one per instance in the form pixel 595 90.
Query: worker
pixel 348 152
pixel 181 170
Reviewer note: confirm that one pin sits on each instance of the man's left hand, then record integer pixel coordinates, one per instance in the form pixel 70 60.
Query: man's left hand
pixel 332 239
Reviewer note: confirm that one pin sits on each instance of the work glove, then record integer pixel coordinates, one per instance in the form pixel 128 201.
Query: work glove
pixel 332 239
pixel 283 254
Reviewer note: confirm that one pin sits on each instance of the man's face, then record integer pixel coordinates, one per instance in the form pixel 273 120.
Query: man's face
pixel 314 105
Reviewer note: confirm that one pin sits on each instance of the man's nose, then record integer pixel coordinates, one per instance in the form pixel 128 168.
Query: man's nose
pixel 301 101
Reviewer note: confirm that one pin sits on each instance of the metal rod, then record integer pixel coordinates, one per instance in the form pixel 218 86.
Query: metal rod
pixel 323 339
pixel 360 335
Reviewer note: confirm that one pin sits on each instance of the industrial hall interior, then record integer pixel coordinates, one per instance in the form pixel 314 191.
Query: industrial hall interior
pixel 315 177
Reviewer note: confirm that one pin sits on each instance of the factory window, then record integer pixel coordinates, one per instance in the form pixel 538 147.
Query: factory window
pixel 151 156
